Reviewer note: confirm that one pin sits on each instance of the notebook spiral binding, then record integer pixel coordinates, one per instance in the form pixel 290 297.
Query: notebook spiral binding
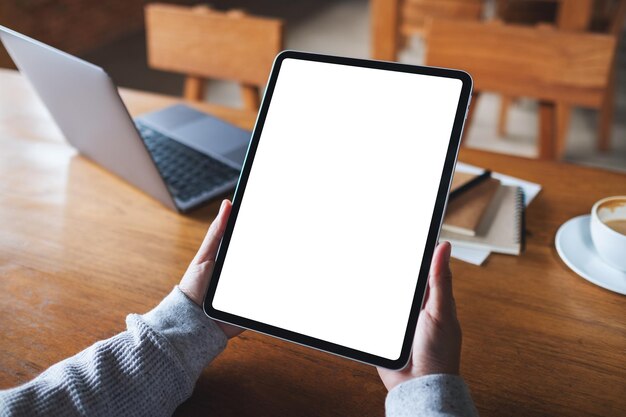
pixel 520 225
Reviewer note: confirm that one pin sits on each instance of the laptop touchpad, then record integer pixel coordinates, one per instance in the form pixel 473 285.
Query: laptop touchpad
pixel 202 132
pixel 212 135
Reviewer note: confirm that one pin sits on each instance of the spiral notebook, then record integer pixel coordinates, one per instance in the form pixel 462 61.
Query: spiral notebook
pixel 466 212
pixel 502 231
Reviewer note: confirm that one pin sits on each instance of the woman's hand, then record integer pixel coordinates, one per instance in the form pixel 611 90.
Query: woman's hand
pixel 196 280
pixel 437 342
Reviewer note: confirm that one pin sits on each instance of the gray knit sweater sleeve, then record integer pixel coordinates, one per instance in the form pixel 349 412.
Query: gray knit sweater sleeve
pixel 152 367
pixel 439 395
pixel 148 370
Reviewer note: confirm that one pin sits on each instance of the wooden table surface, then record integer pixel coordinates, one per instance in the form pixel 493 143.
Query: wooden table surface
pixel 80 249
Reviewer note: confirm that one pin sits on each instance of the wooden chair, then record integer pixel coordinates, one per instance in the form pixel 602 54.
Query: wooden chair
pixel 526 12
pixel 604 16
pixel 393 21
pixel 552 66
pixel 208 44
pixel 614 14
pixel 609 17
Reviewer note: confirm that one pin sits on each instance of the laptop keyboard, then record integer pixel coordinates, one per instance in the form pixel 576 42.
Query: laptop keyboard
pixel 187 172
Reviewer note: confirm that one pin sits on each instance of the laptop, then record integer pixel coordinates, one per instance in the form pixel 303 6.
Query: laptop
pixel 180 156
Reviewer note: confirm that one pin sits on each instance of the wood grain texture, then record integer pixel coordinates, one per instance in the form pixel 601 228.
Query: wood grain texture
pixel 250 97
pixel 384 15
pixel 522 61
pixel 212 44
pixel 562 116
pixel 552 66
pixel 80 249
pixel 528 12
pixel 574 14
pixel 414 14
pixel 568 15
pixel 607 114
pixel 394 21
pixel 615 19
pixel 194 88
pixel 505 104
pixel 547 130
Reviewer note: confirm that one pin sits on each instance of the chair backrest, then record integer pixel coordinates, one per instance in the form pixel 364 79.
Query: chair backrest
pixel 519 61
pixel 526 12
pixel 415 13
pixel 394 21
pixel 204 43
pixel 615 15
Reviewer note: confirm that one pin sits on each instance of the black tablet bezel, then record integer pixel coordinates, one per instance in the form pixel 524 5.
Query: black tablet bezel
pixel 433 233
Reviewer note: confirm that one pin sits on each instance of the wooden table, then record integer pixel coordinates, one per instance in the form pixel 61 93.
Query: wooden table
pixel 80 249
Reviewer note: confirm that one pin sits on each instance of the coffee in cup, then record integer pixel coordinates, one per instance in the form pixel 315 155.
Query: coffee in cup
pixel 608 230
pixel 619 225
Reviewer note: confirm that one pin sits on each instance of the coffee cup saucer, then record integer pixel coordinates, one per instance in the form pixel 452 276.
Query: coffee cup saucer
pixel 574 245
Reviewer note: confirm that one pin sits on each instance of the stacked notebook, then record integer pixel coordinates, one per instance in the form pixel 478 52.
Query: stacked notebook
pixel 482 213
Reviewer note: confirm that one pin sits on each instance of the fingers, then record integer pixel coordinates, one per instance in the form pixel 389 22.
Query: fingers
pixel 211 241
pixel 440 298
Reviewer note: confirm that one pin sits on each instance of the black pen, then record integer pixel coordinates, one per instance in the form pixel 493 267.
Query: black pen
pixel 470 184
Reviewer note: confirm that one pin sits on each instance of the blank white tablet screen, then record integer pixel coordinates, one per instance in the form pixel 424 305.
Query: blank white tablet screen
pixel 333 223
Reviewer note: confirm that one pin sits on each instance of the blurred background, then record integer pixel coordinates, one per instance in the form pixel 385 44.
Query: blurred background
pixel 111 34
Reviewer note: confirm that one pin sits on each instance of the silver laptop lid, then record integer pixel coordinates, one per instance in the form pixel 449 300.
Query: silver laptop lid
pixel 86 106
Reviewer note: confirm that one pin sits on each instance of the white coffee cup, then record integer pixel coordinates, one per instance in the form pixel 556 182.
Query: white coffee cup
pixel 608 218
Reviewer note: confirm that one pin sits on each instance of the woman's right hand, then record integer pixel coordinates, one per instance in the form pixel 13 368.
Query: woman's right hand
pixel 437 342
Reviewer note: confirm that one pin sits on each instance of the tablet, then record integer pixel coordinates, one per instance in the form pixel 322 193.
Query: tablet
pixel 338 208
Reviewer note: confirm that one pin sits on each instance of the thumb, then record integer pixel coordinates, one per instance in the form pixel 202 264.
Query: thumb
pixel 211 242
pixel 440 298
